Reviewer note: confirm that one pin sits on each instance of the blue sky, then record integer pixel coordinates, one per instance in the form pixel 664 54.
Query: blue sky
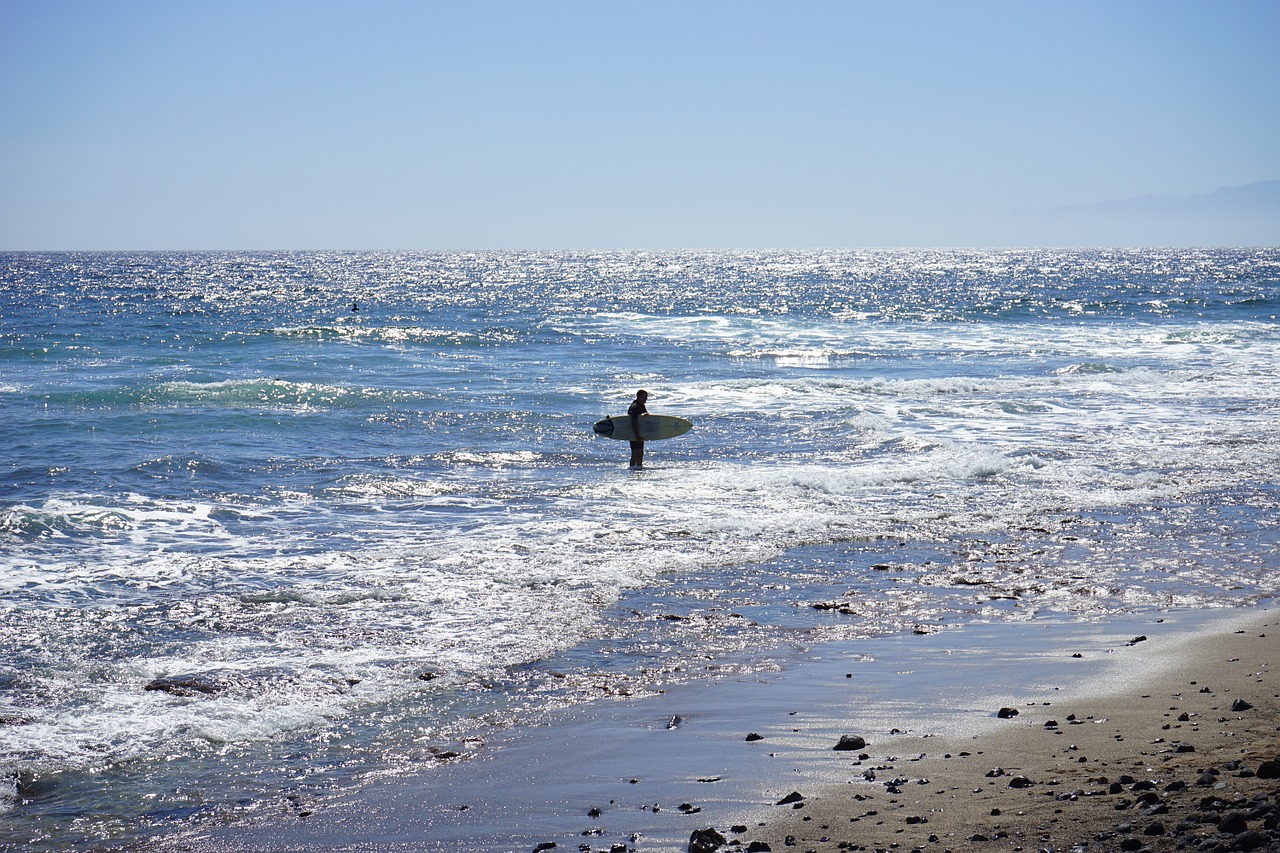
pixel 384 124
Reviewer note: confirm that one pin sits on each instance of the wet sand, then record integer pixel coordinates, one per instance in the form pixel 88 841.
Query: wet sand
pixel 1117 745
pixel 1176 750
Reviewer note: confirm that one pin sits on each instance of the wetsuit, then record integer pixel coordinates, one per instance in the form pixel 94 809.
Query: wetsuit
pixel 634 411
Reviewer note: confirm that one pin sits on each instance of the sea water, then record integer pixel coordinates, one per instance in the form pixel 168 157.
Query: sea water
pixel 352 506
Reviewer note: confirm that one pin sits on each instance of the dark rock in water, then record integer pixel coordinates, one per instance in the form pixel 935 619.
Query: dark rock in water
pixel 428 676
pixel 838 606
pixel 758 847
pixel 1020 782
pixel 546 845
pixel 187 685
pixel 793 797
pixel 850 743
pixel 29 784
pixel 1241 705
pixel 1007 713
pixel 675 722
pixel 706 841
pixel 753 736
pixel 1141 638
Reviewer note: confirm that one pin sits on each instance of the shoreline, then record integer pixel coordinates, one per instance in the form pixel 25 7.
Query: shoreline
pixel 1176 750
pixel 645 774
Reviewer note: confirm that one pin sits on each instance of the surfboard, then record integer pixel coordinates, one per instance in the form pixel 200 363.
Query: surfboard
pixel 652 427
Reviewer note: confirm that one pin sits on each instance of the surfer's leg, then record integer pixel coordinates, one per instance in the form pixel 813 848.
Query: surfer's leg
pixel 637 454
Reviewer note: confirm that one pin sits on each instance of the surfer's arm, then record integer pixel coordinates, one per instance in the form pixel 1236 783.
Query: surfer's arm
pixel 635 424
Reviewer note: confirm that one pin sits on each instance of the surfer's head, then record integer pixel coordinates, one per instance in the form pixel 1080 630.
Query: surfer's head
pixel 642 395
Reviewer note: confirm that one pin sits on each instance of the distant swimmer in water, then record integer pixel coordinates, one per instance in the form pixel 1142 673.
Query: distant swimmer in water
pixel 355 307
pixel 635 411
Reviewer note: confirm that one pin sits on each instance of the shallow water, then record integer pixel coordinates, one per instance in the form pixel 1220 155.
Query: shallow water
pixel 375 533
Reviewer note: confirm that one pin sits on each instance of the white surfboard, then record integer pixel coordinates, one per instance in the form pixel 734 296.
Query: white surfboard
pixel 652 427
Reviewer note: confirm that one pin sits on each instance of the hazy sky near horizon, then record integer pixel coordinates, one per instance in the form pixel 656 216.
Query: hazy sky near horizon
pixel 389 124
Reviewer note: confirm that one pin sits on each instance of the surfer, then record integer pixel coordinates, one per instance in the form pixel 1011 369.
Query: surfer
pixel 634 411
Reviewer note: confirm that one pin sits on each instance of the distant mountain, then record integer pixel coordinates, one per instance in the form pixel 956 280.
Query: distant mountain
pixel 1247 215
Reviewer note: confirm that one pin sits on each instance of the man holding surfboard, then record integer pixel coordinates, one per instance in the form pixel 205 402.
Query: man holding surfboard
pixel 634 412
pixel 638 426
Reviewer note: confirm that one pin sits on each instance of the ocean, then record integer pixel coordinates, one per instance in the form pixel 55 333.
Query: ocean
pixel 273 525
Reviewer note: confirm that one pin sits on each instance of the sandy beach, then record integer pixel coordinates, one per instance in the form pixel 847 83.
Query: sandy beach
pixel 1176 749
pixel 1148 733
